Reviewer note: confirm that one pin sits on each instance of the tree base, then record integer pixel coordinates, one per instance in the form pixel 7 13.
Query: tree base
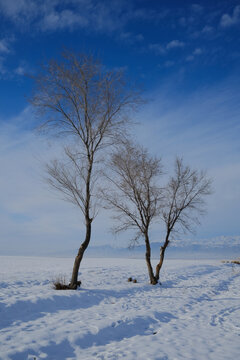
pixel 154 282
pixel 61 286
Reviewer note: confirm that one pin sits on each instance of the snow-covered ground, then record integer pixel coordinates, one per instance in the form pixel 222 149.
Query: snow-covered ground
pixel 195 314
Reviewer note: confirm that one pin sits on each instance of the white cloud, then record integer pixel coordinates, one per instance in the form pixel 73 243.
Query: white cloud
pixel 4 46
pixel 4 51
pixel 20 11
pixel 228 20
pixel 182 21
pixel 197 8
pixel 65 19
pixel 162 49
pixel 169 63
pixel 12 8
pixel 148 14
pixel 2 67
pixel 157 48
pixel 207 29
pixel 203 128
pixel 20 70
pixel 30 215
pixel 175 44
pixel 50 15
pixel 197 51
pixel 131 38
pixel 55 14
pixel 190 58
pixel 23 68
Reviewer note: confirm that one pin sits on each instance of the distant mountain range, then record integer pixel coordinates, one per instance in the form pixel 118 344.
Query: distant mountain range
pixel 221 247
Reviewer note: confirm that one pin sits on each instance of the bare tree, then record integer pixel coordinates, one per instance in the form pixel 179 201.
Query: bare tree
pixel 182 203
pixel 134 194
pixel 77 97
pixel 138 201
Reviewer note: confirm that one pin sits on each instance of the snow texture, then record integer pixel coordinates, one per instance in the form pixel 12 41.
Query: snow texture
pixel 195 314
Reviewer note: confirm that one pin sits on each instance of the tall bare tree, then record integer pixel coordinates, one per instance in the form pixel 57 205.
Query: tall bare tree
pixel 182 204
pixel 77 97
pixel 134 194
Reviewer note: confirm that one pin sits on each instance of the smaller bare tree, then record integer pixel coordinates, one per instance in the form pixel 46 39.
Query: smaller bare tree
pixel 138 200
pixel 134 194
pixel 183 203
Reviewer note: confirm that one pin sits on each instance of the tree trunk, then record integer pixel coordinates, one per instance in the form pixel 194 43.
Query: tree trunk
pixel 162 253
pixel 88 221
pixel 153 281
pixel 74 281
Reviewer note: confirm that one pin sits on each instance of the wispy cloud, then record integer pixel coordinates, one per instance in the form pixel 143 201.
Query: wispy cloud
pixel 175 44
pixel 197 8
pixel 56 15
pixel 163 49
pixel 31 217
pixel 2 68
pixel 207 29
pixel 93 15
pixel 230 20
pixel 157 48
pixel 64 19
pixel 5 50
pixel 212 114
pixel 204 128
pixel 20 11
pixel 22 69
pixel 206 32
pixel 195 53
pixel 4 46
pixel 169 63
pixel 149 14
pixel 131 38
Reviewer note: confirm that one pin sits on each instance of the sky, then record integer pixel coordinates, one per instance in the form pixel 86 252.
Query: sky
pixel 186 57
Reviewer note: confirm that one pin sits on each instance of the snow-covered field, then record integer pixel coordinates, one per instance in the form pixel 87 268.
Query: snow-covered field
pixel 195 314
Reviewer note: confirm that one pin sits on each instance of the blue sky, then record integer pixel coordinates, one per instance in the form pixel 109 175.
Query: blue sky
pixel 185 55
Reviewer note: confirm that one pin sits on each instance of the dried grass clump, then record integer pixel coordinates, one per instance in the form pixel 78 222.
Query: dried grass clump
pixel 236 261
pixel 61 284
